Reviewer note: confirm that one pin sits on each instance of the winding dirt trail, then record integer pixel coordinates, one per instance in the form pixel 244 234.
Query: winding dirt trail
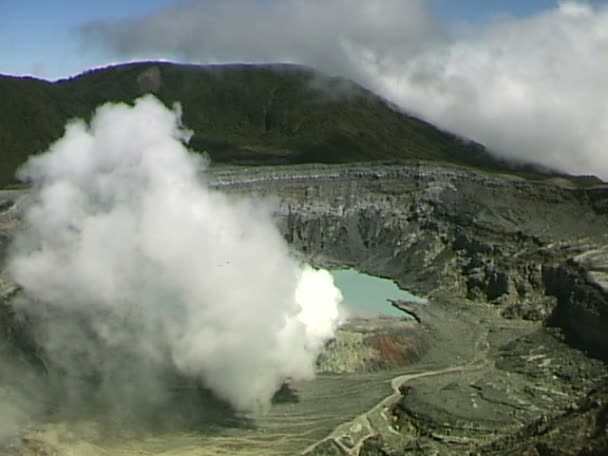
pixel 351 436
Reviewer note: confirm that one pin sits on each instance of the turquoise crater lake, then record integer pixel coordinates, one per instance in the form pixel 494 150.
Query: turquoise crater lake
pixel 366 295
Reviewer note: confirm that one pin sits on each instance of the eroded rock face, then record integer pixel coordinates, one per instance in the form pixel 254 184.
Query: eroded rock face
pixel 149 80
pixel 373 344
pixel 580 430
pixel 533 249
pixel 580 286
pixel 486 237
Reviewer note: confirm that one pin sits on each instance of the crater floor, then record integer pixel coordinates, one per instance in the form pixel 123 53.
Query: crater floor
pixel 497 362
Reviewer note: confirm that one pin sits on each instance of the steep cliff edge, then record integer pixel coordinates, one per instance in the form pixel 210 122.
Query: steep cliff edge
pixel 487 237
pixel 580 286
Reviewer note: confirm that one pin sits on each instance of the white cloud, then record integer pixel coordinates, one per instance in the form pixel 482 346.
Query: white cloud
pixel 530 88
pixel 151 270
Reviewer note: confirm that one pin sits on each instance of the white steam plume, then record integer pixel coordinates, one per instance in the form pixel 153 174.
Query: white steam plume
pixel 125 238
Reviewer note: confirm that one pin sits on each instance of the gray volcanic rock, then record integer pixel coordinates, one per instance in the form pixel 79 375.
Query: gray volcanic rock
pixel 532 249
pixel 486 237
pixel 580 430
pixel 516 272
pixel 581 288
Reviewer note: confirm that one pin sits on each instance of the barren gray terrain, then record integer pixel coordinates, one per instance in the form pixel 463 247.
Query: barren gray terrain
pixel 507 357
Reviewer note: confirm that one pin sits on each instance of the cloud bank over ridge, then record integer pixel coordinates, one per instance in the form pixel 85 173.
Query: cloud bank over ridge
pixel 531 88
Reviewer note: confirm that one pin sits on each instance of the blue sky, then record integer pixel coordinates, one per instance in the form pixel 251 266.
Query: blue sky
pixel 478 10
pixel 40 37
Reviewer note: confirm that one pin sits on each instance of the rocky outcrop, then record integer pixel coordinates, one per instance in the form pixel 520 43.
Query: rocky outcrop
pixel 372 344
pixel 486 237
pixel 580 287
pixel 581 430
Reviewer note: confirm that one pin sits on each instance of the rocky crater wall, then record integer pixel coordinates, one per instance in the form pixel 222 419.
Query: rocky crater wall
pixel 534 248
pixel 521 244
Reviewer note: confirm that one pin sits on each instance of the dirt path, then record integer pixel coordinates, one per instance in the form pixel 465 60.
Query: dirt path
pixel 351 436
pixel 470 357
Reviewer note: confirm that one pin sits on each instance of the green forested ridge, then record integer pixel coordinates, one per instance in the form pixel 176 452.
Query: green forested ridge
pixel 247 114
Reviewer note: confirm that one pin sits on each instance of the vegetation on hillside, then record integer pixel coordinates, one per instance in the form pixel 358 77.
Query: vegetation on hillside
pixel 241 114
